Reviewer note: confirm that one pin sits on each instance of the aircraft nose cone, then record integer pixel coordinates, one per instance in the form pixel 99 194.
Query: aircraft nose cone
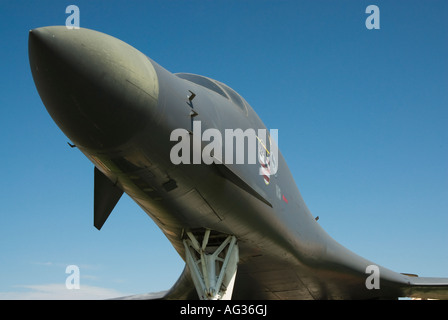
pixel 99 90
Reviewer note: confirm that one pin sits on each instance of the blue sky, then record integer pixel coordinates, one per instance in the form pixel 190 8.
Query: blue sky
pixel 362 118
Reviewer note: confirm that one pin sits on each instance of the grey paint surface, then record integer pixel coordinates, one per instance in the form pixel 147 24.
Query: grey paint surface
pixel 119 108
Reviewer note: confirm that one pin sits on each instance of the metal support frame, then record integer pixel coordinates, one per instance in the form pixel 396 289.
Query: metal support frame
pixel 213 267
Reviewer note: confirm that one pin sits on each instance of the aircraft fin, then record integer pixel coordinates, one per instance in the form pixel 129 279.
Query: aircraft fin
pixel 427 288
pixel 106 196
pixel 237 180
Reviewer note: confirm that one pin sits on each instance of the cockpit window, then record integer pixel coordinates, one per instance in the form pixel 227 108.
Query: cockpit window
pixel 202 81
pixel 217 87
pixel 235 97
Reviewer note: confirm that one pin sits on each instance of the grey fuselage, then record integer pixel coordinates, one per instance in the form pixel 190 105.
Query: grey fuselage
pixel 119 108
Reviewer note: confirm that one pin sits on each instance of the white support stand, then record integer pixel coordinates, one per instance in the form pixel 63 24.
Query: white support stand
pixel 213 268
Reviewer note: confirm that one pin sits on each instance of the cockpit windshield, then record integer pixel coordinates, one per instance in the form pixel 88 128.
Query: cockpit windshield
pixel 217 87
pixel 235 97
pixel 202 81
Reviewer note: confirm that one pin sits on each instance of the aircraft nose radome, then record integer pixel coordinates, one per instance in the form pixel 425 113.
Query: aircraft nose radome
pixel 99 90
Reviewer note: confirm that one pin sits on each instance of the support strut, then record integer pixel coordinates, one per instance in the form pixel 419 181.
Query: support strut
pixel 213 264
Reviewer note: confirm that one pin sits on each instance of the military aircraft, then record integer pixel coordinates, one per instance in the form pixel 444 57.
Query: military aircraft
pixel 242 228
